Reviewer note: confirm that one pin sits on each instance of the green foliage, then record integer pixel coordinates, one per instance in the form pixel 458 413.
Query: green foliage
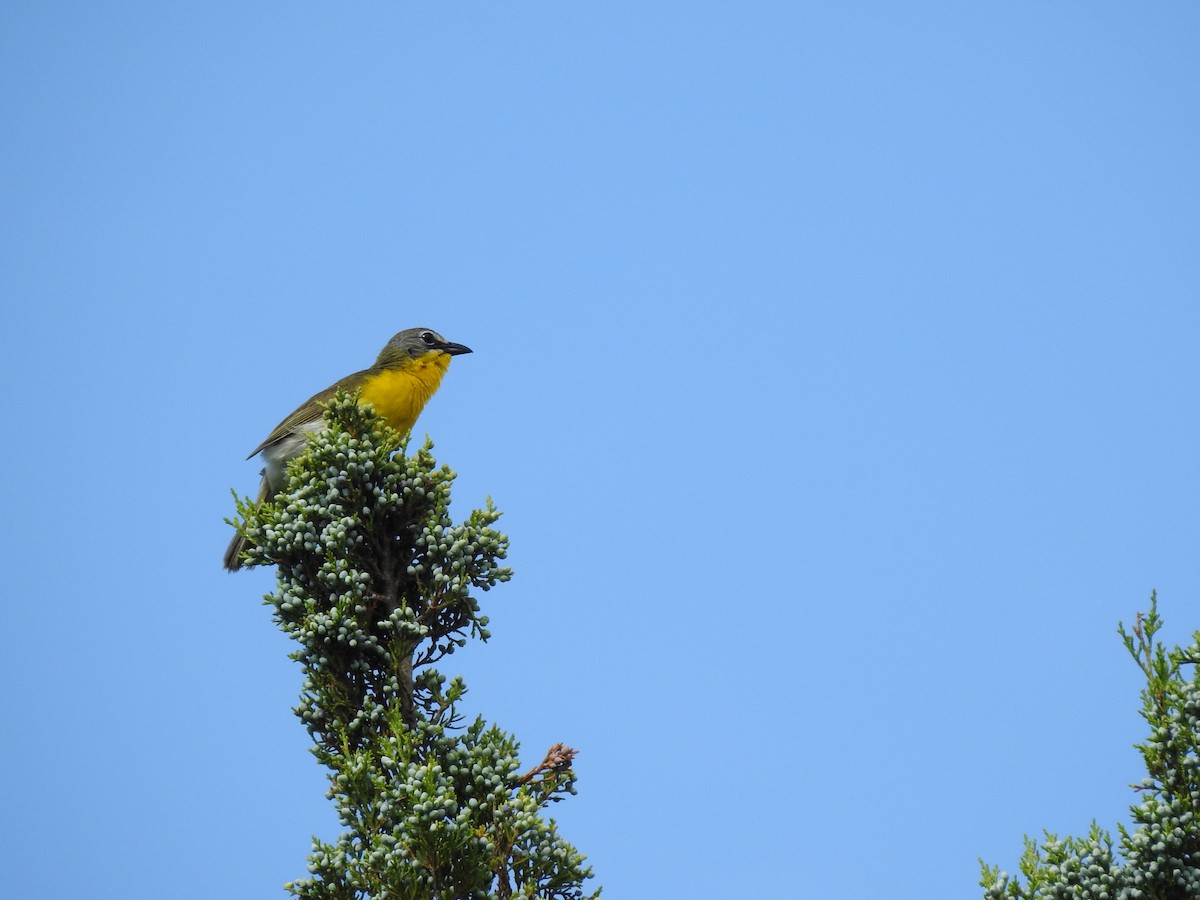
pixel 1160 855
pixel 375 585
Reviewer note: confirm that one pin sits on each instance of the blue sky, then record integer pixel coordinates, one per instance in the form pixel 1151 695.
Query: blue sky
pixel 835 367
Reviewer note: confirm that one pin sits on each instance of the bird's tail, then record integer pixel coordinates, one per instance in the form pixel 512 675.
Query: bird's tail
pixel 233 553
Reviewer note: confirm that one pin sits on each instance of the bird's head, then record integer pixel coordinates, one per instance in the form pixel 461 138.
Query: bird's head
pixel 415 343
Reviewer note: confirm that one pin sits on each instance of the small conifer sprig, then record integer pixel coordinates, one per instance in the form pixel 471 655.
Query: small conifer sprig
pixel 376 584
pixel 1160 856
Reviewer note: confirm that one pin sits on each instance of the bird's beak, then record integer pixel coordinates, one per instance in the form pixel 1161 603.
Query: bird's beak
pixel 454 349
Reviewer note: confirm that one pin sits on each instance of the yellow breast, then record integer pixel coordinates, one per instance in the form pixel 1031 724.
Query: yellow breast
pixel 399 394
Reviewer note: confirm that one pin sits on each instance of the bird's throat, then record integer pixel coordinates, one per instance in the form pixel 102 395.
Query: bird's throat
pixel 400 393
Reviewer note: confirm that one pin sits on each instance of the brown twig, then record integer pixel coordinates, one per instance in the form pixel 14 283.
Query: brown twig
pixel 557 759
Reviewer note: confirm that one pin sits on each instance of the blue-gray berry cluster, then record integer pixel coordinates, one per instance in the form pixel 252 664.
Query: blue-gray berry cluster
pixel 376 583
pixel 1160 855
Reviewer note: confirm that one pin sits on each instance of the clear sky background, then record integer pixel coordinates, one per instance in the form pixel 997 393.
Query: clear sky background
pixel 835 367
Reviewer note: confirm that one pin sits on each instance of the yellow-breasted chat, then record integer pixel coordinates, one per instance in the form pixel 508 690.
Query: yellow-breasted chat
pixel 403 378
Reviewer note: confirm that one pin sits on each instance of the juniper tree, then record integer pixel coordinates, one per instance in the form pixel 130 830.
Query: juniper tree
pixel 376 584
pixel 1159 856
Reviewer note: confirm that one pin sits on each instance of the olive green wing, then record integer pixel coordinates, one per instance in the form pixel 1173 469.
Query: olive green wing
pixel 309 411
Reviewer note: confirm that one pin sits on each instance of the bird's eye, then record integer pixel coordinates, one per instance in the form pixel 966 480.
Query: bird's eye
pixel 428 338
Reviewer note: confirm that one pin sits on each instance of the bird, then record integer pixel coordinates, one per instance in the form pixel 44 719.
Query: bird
pixel 403 378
